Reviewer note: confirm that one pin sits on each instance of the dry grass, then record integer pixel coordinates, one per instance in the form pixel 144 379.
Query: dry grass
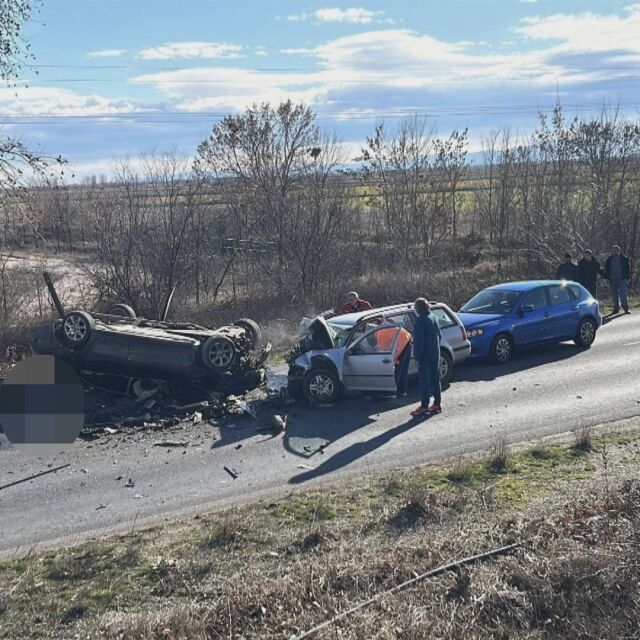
pixel 583 439
pixel 273 570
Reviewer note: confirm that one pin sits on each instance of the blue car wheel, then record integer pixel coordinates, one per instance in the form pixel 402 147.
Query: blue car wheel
pixel 502 348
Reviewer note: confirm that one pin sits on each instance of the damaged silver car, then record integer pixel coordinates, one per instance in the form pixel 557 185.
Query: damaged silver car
pixel 345 353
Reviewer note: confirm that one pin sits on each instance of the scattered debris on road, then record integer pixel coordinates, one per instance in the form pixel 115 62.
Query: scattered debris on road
pixel 231 472
pixel 171 443
pixel 34 476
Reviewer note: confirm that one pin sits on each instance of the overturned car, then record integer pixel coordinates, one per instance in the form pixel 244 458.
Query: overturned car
pixel 119 343
pixel 357 351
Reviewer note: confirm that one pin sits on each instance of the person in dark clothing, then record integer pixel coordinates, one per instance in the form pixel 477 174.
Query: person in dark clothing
pixel 617 270
pixel 355 303
pixel 568 270
pixel 588 271
pixel 426 350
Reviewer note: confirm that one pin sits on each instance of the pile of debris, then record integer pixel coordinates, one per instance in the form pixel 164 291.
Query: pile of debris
pixel 113 403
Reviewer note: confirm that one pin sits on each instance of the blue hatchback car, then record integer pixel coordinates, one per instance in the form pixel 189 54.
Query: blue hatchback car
pixel 506 317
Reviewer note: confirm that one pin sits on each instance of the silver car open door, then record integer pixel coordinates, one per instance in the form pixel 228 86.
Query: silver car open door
pixel 368 362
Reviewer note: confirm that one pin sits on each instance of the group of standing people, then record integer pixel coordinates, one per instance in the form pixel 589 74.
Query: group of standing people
pixel 617 270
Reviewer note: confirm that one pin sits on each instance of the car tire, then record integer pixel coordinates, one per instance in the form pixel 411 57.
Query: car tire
pixel 253 331
pixel 218 353
pixel 445 367
pixel 502 348
pixel 77 327
pixel 321 385
pixel 123 311
pixel 586 333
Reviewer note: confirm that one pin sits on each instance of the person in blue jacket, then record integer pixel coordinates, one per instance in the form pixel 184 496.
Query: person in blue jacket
pixel 426 350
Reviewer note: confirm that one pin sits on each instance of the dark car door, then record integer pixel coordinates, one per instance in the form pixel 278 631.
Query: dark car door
pixel 532 323
pixel 565 313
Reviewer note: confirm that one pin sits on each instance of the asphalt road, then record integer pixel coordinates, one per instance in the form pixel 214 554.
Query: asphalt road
pixel 547 391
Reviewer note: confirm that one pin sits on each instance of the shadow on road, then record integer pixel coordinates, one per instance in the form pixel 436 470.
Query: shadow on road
pixel 357 450
pixel 478 370
pixel 612 316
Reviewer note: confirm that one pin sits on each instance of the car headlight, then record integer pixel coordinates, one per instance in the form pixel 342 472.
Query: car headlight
pixel 474 333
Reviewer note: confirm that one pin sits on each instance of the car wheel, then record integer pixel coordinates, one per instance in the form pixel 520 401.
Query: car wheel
pixel 123 311
pixel 218 353
pixel 586 333
pixel 502 349
pixel 77 327
pixel 445 367
pixel 321 385
pixel 252 330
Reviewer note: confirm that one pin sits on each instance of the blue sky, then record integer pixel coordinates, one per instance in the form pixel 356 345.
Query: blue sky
pixel 120 77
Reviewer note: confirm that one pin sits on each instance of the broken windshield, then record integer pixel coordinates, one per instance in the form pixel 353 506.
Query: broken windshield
pixel 339 333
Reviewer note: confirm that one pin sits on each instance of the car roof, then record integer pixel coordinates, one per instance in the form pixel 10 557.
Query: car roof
pixel 524 285
pixel 354 318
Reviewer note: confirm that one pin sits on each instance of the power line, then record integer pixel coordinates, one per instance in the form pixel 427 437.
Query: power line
pixel 174 117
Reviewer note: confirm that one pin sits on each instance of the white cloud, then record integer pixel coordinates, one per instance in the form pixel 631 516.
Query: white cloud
pixel 107 53
pixel 358 64
pixel 586 32
pixel 353 15
pixel 528 1
pixel 260 51
pixel 56 102
pixel 206 50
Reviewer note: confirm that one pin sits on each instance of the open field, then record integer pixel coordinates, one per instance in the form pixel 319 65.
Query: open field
pixel 276 568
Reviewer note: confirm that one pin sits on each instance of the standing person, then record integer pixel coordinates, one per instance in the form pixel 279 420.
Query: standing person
pixel 355 303
pixel 426 348
pixel 401 363
pixel 588 270
pixel 617 270
pixel 568 270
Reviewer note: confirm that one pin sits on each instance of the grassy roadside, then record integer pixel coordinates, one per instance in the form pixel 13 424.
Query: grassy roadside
pixel 273 570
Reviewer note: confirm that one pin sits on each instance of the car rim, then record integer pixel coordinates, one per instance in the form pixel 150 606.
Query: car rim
pixel 221 354
pixel 503 350
pixel 587 332
pixel 75 328
pixel 321 387
pixel 444 368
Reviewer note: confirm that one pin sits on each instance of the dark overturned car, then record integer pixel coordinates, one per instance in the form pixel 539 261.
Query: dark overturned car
pixel 227 359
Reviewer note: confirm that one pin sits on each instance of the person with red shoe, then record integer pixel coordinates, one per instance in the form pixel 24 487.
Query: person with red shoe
pixel 426 350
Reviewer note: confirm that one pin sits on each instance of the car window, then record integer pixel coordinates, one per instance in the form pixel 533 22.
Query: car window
pixel 576 291
pixel 559 295
pixel 405 319
pixel 444 319
pixel 376 342
pixel 537 299
pixel 494 301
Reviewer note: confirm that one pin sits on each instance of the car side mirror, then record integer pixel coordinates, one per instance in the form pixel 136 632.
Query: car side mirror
pixel 526 308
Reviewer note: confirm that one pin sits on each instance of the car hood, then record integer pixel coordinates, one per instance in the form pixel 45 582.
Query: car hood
pixel 471 320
